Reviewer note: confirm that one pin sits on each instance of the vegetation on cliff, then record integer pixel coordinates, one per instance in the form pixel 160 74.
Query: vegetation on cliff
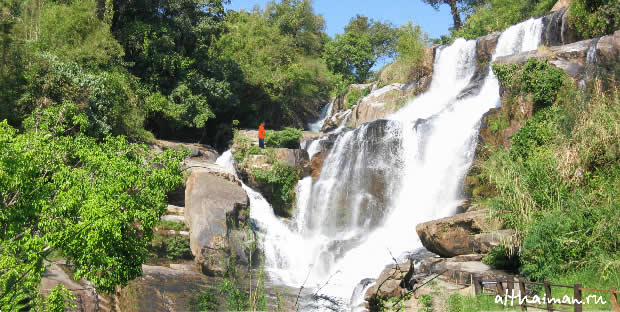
pixel 557 184
pixel 589 18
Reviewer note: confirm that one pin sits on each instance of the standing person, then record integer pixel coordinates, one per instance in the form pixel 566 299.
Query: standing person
pixel 261 135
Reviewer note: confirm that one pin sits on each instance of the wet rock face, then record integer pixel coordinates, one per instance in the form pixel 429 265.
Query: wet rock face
pixel 387 100
pixel 485 47
pixel 366 169
pixel 581 60
pixel 462 234
pixel 557 30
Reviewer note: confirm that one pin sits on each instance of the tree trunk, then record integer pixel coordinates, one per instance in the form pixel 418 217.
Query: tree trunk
pixel 455 15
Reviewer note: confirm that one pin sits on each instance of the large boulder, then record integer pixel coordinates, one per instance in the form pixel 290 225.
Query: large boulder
pixel 215 203
pixel 390 282
pixel 461 234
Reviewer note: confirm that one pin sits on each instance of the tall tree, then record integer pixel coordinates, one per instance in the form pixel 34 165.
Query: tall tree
pixel 453 7
pixel 297 18
pixel 364 42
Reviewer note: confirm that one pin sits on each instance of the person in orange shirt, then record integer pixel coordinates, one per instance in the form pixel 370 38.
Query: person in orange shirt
pixel 261 135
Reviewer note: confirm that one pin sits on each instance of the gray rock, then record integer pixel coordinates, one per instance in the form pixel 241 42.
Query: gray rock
pixel 462 234
pixel 585 59
pixel 212 206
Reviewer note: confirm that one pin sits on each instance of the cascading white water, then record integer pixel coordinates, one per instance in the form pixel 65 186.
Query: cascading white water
pixel 326 111
pixel 382 179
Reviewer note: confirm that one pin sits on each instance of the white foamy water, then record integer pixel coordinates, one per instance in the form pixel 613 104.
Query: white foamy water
pixel 326 111
pixel 382 179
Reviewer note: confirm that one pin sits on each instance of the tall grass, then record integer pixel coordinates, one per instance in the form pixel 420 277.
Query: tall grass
pixel 558 186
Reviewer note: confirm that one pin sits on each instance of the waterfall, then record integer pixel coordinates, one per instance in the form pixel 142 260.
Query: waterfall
pixel 382 179
pixel 326 111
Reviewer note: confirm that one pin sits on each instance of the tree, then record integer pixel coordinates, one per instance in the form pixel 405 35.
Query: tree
pixel 364 42
pixel 453 7
pixel 94 202
pixel 297 18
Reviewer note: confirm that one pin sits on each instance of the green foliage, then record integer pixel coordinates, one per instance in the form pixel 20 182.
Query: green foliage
pixel 427 303
pixel 172 225
pixel 73 32
pixel 485 17
pixel 595 18
pixel 498 124
pixel 283 74
pixel 178 248
pixel 244 146
pixel 558 185
pixel 297 19
pixel 283 178
pixel 108 98
pixel 460 303
pixel 353 97
pixel 206 301
pixel 95 201
pixel 236 299
pixel 355 52
pixel 59 299
pixel 410 43
pixel 536 77
pixel 502 258
pixel 287 138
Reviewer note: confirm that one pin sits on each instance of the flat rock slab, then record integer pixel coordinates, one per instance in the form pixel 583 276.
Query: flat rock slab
pixel 173 218
pixel 87 298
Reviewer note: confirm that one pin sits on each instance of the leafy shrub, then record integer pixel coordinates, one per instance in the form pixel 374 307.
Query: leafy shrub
pixel 178 248
pixel 75 33
pixel 236 299
pixel 283 178
pixel 595 18
pixel 206 301
pixel 536 77
pixel 427 303
pixel 502 258
pixel 410 43
pixel 244 146
pixel 108 98
pixel 354 96
pixel 558 185
pixel 172 225
pixel 287 138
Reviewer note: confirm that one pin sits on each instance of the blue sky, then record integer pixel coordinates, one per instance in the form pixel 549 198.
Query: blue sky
pixel 337 13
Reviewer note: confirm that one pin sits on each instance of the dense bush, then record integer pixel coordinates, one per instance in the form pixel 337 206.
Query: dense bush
pixel 287 138
pixel 594 18
pixel 557 186
pixel 178 248
pixel 536 77
pixel 283 179
pixel 109 99
pixel 244 146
